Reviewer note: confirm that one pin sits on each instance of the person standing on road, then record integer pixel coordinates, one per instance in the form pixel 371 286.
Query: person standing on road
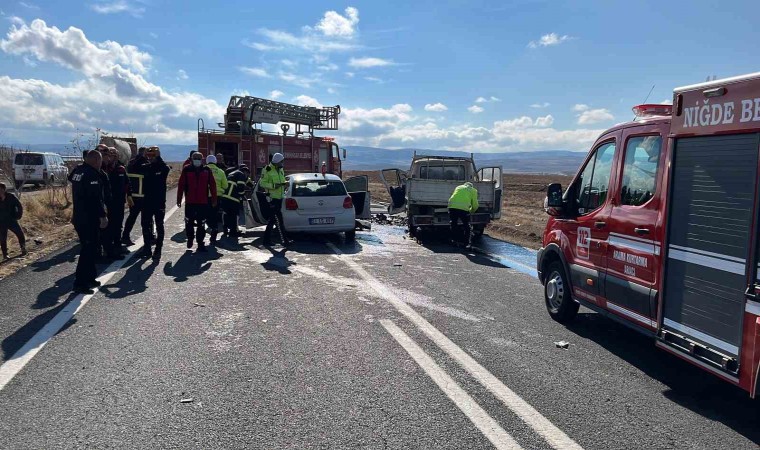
pixel 462 203
pixel 220 162
pixel 89 218
pixel 198 186
pixel 104 245
pixel 215 213
pixel 119 190
pixel 154 208
pixel 273 181
pixel 233 197
pixel 134 172
pixel 10 213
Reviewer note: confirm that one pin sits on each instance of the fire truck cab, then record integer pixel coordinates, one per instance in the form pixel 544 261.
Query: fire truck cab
pixel 659 229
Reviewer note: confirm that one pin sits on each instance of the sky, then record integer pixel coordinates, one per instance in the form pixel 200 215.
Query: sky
pixel 480 76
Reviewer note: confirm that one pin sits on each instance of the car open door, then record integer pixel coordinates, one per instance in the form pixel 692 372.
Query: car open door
pixel 255 208
pixel 493 174
pixel 394 181
pixel 358 189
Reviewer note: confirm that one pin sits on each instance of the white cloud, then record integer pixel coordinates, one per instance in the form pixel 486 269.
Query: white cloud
pixel 350 74
pixel 491 99
pixel 543 122
pixel 367 62
pixel 334 24
pixel 111 93
pixel 117 7
pixel 289 63
pixel 71 49
pixel 28 5
pixel 255 71
pixel 153 35
pixel 540 105
pixel 275 94
pixel 297 80
pixel 182 75
pixel 580 107
pixel 436 107
pixel 375 80
pixel 549 40
pixel 331 91
pixel 592 116
pixel 475 109
pixel 329 67
pixel 305 100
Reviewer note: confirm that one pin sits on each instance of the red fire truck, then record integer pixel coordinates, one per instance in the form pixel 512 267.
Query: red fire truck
pixel 659 229
pixel 243 141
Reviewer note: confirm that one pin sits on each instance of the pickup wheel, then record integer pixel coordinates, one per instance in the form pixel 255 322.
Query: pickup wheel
pixel 559 301
pixel 477 232
pixel 412 231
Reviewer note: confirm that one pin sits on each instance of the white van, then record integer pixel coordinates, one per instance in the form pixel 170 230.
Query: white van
pixel 39 168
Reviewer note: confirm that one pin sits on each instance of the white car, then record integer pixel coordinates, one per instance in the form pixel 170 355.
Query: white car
pixel 39 168
pixel 316 203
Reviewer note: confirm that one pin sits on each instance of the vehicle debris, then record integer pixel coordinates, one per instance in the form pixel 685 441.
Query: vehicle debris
pixel 562 344
pixel 187 400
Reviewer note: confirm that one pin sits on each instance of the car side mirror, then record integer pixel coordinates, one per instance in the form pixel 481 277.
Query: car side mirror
pixel 344 153
pixel 553 203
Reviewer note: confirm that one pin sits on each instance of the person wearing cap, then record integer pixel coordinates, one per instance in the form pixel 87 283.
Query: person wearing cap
pixel 232 198
pixel 214 217
pixel 154 206
pixel 273 181
pixel 119 192
pixel 197 185
pixel 462 203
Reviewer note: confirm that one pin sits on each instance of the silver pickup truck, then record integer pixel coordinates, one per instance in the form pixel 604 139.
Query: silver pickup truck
pixel 424 190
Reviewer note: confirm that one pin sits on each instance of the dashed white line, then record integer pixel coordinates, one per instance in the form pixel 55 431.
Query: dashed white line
pixel 477 415
pixel 540 424
pixel 21 358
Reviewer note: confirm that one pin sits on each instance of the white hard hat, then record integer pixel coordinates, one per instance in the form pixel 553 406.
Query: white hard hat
pixel 211 159
pixel 277 158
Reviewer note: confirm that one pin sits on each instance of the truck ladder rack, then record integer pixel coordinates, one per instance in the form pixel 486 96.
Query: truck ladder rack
pixel 243 112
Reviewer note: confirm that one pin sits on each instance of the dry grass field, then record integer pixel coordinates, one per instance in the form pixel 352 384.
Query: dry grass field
pixel 523 217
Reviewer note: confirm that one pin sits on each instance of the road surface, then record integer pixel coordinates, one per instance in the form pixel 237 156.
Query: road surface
pixel 382 343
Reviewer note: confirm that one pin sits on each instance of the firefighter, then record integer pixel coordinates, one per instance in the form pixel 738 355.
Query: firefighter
pixel 462 203
pixel 105 249
pixel 89 218
pixel 119 196
pixel 273 181
pixel 10 213
pixel 134 172
pixel 154 208
pixel 215 213
pixel 231 200
pixel 196 183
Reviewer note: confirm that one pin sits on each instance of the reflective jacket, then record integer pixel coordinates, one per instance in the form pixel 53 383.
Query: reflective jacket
pixel 236 186
pixel 136 174
pixel 465 197
pixel 219 177
pixel 198 186
pixel 271 177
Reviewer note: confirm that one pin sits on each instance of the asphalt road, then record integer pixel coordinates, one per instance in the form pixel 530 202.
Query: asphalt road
pixel 383 343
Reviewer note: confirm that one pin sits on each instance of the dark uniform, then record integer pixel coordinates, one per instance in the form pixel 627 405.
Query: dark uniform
pixel 89 208
pixel 154 202
pixel 104 241
pixel 134 172
pixel 232 200
pixel 119 189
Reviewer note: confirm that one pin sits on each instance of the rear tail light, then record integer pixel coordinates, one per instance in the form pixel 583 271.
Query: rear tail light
pixel 291 204
pixel 348 203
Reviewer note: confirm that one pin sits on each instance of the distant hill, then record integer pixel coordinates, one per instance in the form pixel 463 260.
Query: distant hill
pixel 372 158
pixel 546 161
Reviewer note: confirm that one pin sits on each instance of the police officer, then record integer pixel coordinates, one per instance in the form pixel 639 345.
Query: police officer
pixel 154 207
pixel 215 212
pixel 273 181
pixel 89 218
pixel 462 203
pixel 119 193
pixel 232 198
pixel 134 172
pixel 105 248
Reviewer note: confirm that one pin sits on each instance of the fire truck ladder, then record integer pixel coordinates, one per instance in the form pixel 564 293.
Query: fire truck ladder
pixel 244 112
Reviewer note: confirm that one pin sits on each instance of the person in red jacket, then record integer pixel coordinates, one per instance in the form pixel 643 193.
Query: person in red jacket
pixel 197 184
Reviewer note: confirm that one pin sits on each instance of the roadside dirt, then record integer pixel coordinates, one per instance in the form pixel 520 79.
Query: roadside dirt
pixel 523 217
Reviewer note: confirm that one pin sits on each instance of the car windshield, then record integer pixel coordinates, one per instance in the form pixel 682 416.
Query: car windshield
pixel 28 159
pixel 318 188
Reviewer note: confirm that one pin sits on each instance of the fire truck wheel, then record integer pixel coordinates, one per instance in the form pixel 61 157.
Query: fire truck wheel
pixel 559 302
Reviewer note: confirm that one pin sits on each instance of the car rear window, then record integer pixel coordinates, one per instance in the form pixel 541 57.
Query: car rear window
pixel 29 159
pixel 318 189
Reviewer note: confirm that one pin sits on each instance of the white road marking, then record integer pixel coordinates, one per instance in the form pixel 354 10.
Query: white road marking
pixel 477 415
pixel 21 358
pixel 540 424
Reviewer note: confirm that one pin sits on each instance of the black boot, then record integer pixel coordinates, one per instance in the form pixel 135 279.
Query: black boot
pixel 145 252
pixel 157 253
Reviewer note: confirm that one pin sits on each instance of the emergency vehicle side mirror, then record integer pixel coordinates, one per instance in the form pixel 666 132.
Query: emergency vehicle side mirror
pixel 553 204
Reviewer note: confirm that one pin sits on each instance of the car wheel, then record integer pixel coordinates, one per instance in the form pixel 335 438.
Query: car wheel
pixel 350 236
pixel 559 300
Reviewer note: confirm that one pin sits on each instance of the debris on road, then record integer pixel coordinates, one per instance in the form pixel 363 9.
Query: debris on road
pixel 397 265
pixel 562 344
pixel 383 219
pixel 187 400
pixel 199 305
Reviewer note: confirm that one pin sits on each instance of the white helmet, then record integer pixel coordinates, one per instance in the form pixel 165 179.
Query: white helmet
pixel 211 159
pixel 277 158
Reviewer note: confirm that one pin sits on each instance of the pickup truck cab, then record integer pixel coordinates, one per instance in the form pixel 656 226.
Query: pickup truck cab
pixel 424 190
pixel 659 231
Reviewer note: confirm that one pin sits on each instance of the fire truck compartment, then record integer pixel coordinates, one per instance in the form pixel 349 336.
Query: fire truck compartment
pixel 712 205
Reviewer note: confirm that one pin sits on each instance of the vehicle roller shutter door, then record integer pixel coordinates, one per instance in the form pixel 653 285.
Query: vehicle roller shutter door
pixel 711 208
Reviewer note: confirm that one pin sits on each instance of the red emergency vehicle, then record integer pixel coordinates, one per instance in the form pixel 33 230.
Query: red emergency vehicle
pixel 659 229
pixel 242 140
